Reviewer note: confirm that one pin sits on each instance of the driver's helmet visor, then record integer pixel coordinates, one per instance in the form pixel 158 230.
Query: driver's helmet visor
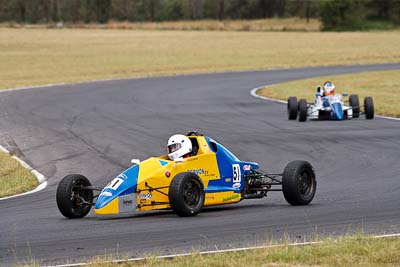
pixel 329 87
pixel 174 147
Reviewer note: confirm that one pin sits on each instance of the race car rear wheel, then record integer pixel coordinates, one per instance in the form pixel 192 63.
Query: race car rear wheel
pixel 303 110
pixel 186 194
pixel 73 199
pixel 292 108
pixel 298 183
pixel 369 108
pixel 355 104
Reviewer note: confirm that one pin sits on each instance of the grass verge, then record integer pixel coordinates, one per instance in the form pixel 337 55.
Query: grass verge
pixel 41 56
pixel 383 86
pixel 14 178
pixel 345 251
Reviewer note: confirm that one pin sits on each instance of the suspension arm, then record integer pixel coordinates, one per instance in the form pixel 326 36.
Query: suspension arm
pixel 157 189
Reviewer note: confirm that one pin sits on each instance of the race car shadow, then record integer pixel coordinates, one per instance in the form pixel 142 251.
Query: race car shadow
pixel 232 207
pixel 207 210
pixel 130 215
pixel 248 207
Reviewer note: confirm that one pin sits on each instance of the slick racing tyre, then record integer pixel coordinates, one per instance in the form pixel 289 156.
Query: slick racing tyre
pixel 186 194
pixel 302 110
pixel 355 104
pixel 292 108
pixel 369 108
pixel 73 200
pixel 298 183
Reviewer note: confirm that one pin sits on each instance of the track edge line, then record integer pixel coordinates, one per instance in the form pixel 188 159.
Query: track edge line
pixel 209 252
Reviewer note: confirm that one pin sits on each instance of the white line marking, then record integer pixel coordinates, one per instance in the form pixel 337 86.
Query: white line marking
pixel 40 177
pixel 253 92
pixel 388 118
pixel 134 78
pixel 4 150
pixel 387 235
pixel 31 87
pixel 188 254
pixel 212 252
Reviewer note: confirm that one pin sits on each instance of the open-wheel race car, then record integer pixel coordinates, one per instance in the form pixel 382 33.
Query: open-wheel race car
pixel 329 107
pixel 210 175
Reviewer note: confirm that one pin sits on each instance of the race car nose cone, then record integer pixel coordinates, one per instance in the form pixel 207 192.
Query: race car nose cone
pixel 338 111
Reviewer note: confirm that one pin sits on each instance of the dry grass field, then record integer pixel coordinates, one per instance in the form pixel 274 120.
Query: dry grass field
pixel 14 178
pixel 346 251
pixel 383 86
pixel 42 56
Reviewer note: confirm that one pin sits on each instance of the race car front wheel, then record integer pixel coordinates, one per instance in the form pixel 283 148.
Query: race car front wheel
pixel 186 194
pixel 355 104
pixel 369 108
pixel 292 108
pixel 298 183
pixel 74 200
pixel 303 110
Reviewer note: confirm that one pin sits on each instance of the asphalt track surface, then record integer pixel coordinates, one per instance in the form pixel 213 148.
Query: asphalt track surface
pixel 96 128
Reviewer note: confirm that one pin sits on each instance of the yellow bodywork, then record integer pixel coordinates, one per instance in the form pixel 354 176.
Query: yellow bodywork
pixel 111 208
pixel 154 181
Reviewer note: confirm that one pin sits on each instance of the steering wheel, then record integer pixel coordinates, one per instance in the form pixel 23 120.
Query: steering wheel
pixel 194 133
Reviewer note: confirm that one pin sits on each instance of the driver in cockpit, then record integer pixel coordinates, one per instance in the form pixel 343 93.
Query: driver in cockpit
pixel 179 146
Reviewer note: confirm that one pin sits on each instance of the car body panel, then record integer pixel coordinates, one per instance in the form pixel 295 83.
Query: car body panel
pixel 145 186
pixel 329 107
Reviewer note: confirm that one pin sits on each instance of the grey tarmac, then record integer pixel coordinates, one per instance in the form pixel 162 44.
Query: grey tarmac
pixel 95 128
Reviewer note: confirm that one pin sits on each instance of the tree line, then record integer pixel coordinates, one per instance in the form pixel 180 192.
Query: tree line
pixel 333 13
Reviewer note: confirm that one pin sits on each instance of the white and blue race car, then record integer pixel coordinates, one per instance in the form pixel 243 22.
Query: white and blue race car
pixel 329 107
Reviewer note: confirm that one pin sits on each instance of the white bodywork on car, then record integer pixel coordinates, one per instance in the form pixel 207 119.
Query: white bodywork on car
pixel 314 109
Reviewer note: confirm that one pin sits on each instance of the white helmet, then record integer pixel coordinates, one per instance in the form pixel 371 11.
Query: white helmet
pixel 178 146
pixel 329 88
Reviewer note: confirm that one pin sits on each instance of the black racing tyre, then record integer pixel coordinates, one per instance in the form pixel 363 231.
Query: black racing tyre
pixel 299 183
pixel 292 108
pixel 73 201
pixel 186 194
pixel 355 104
pixel 369 108
pixel 302 110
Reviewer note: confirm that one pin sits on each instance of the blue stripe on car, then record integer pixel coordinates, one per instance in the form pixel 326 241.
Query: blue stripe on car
pixel 128 186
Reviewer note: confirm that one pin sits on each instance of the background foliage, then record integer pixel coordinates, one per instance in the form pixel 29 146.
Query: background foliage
pixel 335 14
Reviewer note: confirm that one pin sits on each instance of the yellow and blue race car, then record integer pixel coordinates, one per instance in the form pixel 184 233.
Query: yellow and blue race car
pixel 211 176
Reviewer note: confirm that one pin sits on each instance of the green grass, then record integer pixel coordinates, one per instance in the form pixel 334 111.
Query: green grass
pixel 14 178
pixel 383 86
pixel 42 56
pixel 345 251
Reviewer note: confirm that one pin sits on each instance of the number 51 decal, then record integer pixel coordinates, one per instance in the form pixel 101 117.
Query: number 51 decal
pixel 236 173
